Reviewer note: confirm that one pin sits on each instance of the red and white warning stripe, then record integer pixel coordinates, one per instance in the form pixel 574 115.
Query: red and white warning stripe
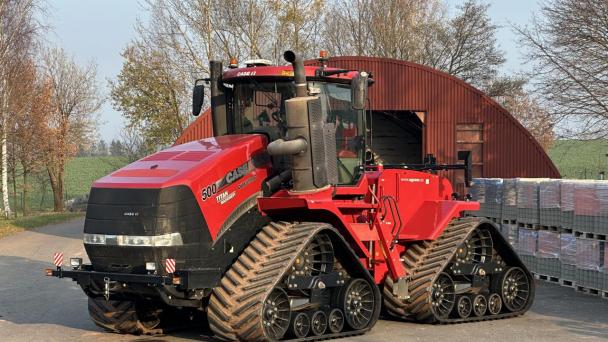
pixel 58 259
pixel 170 265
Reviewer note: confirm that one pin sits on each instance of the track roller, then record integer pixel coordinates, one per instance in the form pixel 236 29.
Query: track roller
pixel 464 307
pixel 336 321
pixel 480 305
pixel 494 304
pixel 300 325
pixel 318 323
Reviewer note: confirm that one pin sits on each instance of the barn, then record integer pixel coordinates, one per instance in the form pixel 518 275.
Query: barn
pixel 417 110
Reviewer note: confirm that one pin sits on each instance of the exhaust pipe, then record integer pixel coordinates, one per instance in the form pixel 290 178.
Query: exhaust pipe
pixel 299 76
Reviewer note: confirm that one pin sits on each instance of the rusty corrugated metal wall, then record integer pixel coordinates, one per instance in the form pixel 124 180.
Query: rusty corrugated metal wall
pixel 200 128
pixel 508 148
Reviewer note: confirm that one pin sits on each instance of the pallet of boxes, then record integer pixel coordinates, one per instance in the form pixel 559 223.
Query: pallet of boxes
pixel 559 227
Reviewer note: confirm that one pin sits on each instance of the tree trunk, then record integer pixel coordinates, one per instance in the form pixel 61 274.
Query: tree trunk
pixel 14 179
pixel 7 207
pixel 24 204
pixel 56 180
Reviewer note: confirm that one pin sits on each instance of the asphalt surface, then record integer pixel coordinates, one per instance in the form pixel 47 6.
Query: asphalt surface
pixel 36 308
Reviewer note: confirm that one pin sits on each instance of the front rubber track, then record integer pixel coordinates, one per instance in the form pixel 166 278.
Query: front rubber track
pixel 118 317
pixel 235 307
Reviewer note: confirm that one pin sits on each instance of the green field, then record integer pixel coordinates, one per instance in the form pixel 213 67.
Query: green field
pixel 583 159
pixel 79 175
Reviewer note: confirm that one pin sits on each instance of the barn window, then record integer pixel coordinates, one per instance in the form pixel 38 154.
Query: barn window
pixel 469 137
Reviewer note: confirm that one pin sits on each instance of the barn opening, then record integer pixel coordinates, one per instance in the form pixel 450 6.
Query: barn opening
pixel 397 136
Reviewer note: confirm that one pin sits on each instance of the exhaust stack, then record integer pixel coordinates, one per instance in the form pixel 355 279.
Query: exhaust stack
pixel 310 141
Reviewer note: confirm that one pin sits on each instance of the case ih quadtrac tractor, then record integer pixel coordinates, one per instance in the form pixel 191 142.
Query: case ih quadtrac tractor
pixel 283 227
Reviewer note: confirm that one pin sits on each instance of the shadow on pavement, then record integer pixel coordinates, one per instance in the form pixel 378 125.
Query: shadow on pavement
pixel 578 313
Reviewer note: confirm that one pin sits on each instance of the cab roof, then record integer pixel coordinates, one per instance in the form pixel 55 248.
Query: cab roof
pixel 284 72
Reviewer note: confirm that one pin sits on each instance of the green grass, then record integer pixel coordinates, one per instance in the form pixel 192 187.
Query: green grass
pixel 80 173
pixel 582 159
pixel 9 227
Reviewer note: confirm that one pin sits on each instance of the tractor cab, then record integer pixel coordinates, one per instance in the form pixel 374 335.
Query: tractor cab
pixel 252 100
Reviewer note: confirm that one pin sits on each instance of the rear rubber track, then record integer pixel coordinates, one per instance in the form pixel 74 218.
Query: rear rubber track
pixel 235 307
pixel 425 260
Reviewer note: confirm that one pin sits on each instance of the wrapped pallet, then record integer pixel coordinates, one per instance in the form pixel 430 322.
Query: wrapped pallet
pixel 548 244
pixel 509 232
pixel 566 199
pixel 588 254
pixel 550 203
pixel 586 207
pixel 601 221
pixel 567 256
pixel 547 262
pixel 493 197
pixel 509 199
pixel 527 240
pixel 527 200
pixel 588 263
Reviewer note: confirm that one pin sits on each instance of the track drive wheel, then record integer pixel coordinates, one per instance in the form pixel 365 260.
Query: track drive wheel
pixel 124 317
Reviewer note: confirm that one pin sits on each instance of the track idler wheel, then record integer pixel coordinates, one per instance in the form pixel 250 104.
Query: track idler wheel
pixel 515 289
pixel 276 314
pixel 300 325
pixel 443 296
pixel 357 303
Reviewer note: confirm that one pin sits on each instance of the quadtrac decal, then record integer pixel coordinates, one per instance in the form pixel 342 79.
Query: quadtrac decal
pixel 229 178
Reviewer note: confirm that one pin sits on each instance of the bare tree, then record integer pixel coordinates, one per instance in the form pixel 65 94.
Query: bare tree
pixel 418 31
pixel 567 45
pixel 18 30
pixel 74 101
pixel 29 107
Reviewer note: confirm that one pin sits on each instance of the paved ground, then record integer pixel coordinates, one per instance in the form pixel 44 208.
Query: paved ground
pixel 36 308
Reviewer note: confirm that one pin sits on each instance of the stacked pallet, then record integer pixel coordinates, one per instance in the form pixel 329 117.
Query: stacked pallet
pixel 558 227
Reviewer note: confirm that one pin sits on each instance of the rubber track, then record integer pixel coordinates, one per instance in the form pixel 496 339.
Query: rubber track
pixel 235 306
pixel 426 260
pixel 118 317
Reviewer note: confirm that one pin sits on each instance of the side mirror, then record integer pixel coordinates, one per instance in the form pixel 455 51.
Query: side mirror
pixel 468 165
pixel 198 96
pixel 359 91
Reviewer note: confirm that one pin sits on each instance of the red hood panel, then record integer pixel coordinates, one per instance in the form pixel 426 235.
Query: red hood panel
pixel 183 164
pixel 222 172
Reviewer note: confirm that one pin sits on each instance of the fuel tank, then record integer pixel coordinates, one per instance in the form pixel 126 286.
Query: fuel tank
pixel 195 203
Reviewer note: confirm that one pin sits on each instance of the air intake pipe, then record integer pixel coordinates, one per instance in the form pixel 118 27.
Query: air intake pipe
pixel 299 75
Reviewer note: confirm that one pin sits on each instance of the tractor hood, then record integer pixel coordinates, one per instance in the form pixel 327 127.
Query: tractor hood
pixel 186 164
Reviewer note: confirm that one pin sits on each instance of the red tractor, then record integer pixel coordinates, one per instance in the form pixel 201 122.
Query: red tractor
pixel 283 227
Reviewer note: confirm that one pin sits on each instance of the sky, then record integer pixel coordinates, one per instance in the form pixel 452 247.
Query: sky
pixel 98 30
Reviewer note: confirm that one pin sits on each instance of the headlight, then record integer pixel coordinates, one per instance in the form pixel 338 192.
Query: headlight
pixel 173 239
pixel 165 240
pixel 94 239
